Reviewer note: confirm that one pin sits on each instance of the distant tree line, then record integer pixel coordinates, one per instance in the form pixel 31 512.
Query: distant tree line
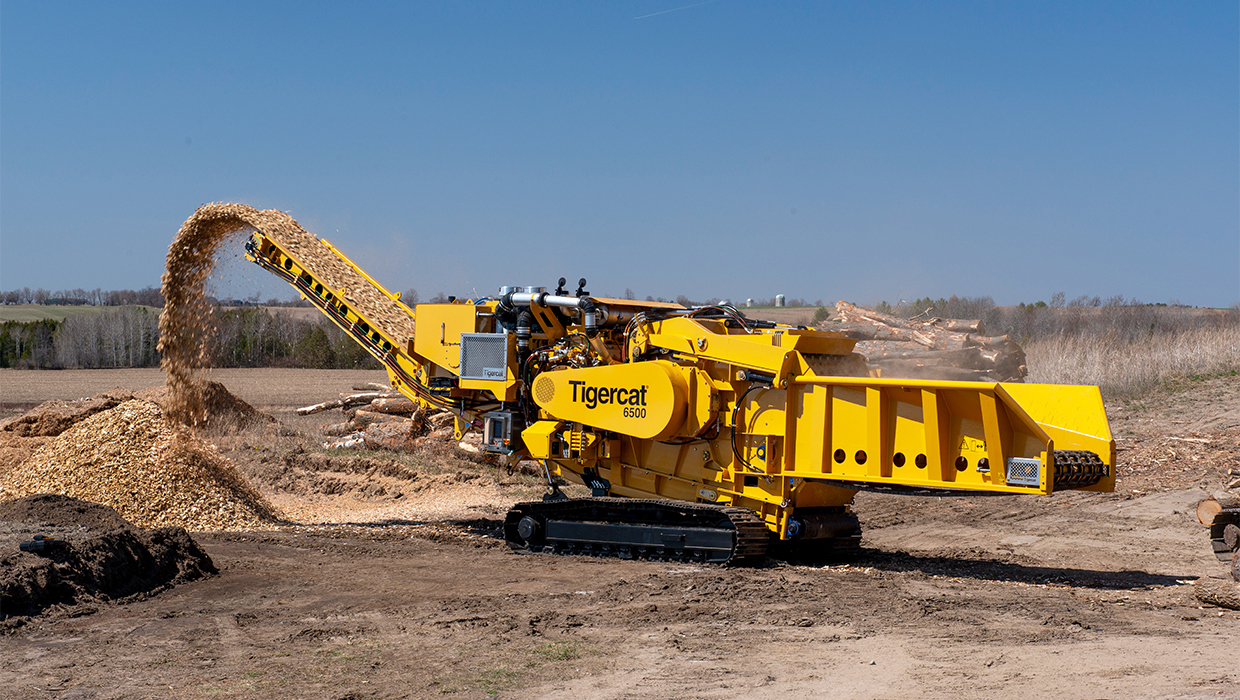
pixel 148 296
pixel 1061 317
pixel 129 337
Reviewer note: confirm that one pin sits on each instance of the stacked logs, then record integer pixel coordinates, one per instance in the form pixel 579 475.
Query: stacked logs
pixel 931 348
pixel 379 418
pixel 1222 515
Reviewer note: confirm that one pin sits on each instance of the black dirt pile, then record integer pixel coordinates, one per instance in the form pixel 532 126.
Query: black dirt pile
pixel 61 511
pixel 188 321
pixel 152 471
pixel 94 556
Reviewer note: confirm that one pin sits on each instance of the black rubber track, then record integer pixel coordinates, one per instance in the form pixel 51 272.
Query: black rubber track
pixel 633 528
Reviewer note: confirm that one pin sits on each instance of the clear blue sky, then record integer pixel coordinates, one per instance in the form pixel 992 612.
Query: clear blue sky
pixel 861 151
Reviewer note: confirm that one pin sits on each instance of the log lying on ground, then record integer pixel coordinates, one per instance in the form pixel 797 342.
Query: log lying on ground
pixel 401 406
pixel 395 435
pixel 346 401
pixel 363 418
pixel 930 348
pixel 1223 594
pixel 339 429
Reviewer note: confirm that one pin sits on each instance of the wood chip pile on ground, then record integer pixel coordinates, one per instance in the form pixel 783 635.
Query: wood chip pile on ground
pixel 187 323
pixel 1161 462
pixel 151 471
pixel 225 412
pixel 51 418
pixel 931 348
pixel 23 435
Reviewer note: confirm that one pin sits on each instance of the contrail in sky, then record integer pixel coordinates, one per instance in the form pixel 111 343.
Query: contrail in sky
pixel 677 9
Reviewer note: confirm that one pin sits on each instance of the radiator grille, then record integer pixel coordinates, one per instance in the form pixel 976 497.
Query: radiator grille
pixel 484 356
pixel 1024 471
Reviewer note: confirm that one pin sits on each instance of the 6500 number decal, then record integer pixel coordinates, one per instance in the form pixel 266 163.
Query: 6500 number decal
pixel 634 412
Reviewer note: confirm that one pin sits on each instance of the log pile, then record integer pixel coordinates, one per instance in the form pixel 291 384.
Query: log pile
pixel 1216 512
pixel 382 419
pixel 931 348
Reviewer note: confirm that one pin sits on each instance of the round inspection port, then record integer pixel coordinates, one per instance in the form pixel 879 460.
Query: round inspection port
pixel 898 460
pixel 840 456
pixel 920 461
pixel 318 289
pixel 860 457
pixel 962 463
pixel 288 263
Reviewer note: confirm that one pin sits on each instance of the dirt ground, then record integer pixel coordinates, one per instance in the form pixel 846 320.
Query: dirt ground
pixel 395 585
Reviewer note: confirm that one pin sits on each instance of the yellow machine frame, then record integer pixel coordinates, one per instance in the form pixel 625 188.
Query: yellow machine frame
pixel 702 406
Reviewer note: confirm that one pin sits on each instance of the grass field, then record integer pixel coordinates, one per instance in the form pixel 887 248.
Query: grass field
pixel 25 313
pixel 1124 366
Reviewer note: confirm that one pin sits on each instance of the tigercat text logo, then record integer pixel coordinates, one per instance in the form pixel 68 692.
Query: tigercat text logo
pixel 594 395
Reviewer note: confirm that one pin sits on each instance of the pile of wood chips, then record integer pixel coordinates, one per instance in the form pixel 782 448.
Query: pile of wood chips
pixel 187 322
pixel 153 472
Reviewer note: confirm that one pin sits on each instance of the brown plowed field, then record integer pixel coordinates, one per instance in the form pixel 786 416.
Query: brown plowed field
pixel 393 585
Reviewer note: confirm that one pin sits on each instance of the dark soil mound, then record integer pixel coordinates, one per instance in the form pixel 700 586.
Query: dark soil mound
pixel 109 559
pixel 61 511
pixel 51 418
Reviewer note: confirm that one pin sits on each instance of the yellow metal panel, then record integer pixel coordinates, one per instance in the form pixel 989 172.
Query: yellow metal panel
pixel 1071 415
pixel 878 433
pixel 998 431
pixel 763 412
pixel 933 424
pixel 934 415
pixel 537 438
pixel 816 342
pixel 644 399
pixel 440 326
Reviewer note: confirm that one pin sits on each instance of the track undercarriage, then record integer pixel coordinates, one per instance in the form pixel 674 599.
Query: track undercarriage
pixel 658 530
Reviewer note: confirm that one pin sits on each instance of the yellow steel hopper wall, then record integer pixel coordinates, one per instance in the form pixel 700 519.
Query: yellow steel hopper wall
pixel 936 434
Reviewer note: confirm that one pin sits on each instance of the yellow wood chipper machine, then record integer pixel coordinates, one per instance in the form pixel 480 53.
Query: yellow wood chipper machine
pixel 704 435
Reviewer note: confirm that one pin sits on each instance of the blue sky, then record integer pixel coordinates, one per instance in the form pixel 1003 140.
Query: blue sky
pixel 861 151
